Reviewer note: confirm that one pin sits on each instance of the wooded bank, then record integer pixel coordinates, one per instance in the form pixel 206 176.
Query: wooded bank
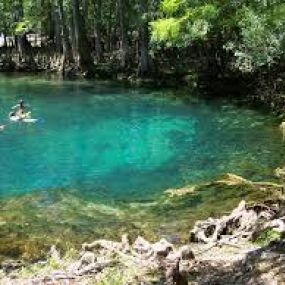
pixel 144 38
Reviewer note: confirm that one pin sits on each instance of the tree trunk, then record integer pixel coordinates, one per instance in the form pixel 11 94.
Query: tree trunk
pixel 21 41
pixel 57 29
pixel 5 41
pixel 98 27
pixel 66 46
pixel 109 28
pixel 144 58
pixel 73 40
pixel 83 51
pixel 124 39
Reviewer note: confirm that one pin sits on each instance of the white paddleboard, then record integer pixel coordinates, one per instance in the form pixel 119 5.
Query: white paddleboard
pixel 25 120
pixel 29 120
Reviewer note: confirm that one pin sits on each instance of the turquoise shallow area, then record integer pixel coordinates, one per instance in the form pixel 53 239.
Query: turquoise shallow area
pixel 127 143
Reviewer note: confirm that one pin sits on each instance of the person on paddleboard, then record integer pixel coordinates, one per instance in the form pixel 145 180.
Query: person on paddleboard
pixel 20 110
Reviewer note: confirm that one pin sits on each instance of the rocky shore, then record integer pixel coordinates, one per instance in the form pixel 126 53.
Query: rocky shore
pixel 245 246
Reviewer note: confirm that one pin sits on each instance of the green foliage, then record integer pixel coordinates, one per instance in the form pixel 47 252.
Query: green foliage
pixel 166 30
pixel 198 29
pixel 22 27
pixel 259 43
pixel 171 7
pixel 253 33
pixel 205 12
pixel 267 236
pixel 194 24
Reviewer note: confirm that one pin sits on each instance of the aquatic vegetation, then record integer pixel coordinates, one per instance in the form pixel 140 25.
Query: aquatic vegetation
pixel 35 221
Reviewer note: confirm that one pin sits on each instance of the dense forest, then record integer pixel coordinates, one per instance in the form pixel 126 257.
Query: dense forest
pixel 143 37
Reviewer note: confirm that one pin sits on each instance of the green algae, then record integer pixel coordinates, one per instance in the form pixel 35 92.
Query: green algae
pixel 31 223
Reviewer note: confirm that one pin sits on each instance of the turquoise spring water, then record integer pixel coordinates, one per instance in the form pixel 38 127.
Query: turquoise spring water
pixel 127 143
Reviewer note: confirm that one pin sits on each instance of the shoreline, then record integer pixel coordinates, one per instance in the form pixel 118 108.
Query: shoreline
pixel 268 96
pixel 271 193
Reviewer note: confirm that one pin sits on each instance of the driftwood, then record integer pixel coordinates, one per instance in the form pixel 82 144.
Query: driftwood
pixel 114 246
pixel 142 255
pixel 241 224
pixel 276 224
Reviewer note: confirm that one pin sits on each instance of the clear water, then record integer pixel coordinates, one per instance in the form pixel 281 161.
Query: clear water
pixel 98 160
pixel 127 143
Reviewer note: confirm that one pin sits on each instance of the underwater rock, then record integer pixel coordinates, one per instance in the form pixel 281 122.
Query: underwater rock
pixel 180 192
pixel 232 179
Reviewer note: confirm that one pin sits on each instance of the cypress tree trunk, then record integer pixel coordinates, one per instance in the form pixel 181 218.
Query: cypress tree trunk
pixel 73 40
pixel 124 39
pixel 66 46
pixel 109 28
pixel 51 25
pixel 21 41
pixel 83 51
pixel 97 29
pixel 57 29
pixel 5 41
pixel 144 58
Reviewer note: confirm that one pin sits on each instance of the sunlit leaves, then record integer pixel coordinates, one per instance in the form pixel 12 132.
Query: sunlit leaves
pixel 170 7
pixel 166 30
pixel 253 32
pixel 193 24
pixel 22 27
pixel 205 12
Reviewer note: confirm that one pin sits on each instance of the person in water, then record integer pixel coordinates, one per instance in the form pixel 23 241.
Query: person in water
pixel 19 110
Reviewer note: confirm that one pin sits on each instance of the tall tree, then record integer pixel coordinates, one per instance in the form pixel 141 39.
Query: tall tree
pixel 98 28
pixel 82 47
pixel 66 46
pixel 122 5
pixel 21 41
pixel 144 58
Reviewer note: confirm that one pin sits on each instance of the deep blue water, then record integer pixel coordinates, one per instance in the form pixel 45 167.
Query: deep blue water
pixel 127 143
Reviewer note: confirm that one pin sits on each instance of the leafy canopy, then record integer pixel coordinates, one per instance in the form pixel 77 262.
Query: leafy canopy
pixel 253 31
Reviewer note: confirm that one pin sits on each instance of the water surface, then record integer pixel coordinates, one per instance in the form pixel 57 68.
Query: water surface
pixel 125 142
pixel 100 141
